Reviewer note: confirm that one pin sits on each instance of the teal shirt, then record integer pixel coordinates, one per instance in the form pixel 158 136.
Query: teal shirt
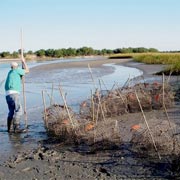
pixel 13 81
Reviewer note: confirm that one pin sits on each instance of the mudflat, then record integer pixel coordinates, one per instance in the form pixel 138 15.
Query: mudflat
pixel 55 160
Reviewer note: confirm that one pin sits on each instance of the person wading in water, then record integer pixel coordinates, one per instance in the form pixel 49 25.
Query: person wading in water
pixel 13 88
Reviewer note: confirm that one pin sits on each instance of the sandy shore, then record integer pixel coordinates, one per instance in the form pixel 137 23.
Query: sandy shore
pixel 52 160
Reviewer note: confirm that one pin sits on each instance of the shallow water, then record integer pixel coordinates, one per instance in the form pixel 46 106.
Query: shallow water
pixel 76 83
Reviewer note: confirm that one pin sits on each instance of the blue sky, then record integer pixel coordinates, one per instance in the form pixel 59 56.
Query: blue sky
pixel 94 23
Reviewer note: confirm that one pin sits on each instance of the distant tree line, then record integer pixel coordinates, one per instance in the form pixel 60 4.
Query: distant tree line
pixel 72 52
pixel 134 50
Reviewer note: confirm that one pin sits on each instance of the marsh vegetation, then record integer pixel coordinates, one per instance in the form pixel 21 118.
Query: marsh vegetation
pixel 172 60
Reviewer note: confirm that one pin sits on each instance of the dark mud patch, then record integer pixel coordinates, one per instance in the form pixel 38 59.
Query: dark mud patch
pixel 74 163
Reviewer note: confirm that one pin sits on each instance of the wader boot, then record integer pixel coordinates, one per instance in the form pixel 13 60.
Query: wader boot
pixel 9 125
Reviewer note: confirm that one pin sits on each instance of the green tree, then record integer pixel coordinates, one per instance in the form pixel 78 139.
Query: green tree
pixel 106 51
pixel 70 52
pixel 153 50
pixel 49 52
pixel 40 52
pixel 85 51
pixel 97 52
pixel 15 54
pixel 58 53
pixel 5 54
pixel 116 51
pixel 64 52
pixel 30 52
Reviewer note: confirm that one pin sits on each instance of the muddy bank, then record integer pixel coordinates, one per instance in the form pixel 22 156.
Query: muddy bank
pixel 49 164
pixel 54 160
pixel 77 64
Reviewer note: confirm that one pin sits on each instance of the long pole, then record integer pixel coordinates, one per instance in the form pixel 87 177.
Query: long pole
pixel 65 104
pixel 155 147
pixel 45 114
pixel 163 101
pixel 23 83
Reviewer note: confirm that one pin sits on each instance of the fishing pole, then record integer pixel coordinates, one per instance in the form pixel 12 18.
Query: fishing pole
pixel 23 82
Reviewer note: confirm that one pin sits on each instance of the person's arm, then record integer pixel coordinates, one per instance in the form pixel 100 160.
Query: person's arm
pixel 24 65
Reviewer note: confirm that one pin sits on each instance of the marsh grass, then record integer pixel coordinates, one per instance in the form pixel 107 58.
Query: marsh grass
pixel 170 59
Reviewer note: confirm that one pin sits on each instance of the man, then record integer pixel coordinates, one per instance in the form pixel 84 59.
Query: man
pixel 13 88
